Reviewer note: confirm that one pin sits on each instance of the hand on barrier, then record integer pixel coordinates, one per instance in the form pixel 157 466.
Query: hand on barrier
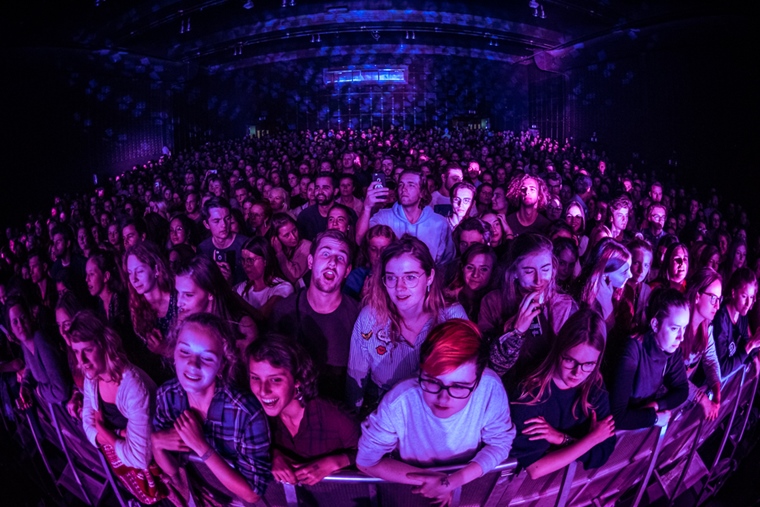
pixel 663 418
pixel 601 430
pixel 311 473
pixel 709 408
pixel 539 429
pixel 282 469
pixel 74 405
pixel 433 485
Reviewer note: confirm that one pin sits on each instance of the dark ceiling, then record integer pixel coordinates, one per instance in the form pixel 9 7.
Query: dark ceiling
pixel 227 33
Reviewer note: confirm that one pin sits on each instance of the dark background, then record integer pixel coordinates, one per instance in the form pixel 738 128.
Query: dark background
pixel 682 84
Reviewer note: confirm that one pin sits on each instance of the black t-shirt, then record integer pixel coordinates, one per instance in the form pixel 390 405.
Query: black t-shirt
pixel 557 409
pixel 311 222
pixel 207 248
pixel 326 336
pixel 539 226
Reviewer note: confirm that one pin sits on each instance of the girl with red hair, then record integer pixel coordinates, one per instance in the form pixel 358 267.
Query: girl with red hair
pixel 455 412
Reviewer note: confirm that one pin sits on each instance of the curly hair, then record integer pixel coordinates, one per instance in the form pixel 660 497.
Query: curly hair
pixel 286 353
pixel 515 192
pixel 88 327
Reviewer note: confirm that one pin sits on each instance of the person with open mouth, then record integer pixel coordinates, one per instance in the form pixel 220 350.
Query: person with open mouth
pixel 312 437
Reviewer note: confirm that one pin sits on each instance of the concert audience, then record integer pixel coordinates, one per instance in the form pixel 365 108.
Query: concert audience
pixel 377 329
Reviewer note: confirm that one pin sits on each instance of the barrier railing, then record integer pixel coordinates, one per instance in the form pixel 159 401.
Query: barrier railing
pixel 639 456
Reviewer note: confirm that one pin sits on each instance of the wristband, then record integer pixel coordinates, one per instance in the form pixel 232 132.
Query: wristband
pixel 208 454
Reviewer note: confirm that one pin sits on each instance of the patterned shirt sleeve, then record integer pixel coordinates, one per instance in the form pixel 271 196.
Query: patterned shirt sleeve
pixel 252 445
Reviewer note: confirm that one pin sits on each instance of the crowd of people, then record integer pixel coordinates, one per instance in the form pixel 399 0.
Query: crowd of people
pixel 286 306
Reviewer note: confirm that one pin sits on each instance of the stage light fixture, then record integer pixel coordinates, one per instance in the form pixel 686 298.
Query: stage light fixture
pixel 412 35
pixel 319 38
pixel 407 35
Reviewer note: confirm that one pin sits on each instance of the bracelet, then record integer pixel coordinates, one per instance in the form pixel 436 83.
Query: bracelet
pixel 567 440
pixel 208 454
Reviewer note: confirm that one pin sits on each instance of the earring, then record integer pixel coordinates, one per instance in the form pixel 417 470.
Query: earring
pixel 299 394
pixel 427 290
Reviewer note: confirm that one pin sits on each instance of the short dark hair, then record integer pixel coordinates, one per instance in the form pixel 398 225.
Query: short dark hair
pixel 214 202
pixel 337 236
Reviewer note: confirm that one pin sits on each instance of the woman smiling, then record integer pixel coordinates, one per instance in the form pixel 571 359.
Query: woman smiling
pixel 201 411
pixel 403 307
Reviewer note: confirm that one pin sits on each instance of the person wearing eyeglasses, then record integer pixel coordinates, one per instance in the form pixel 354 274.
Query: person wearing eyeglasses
pixel 399 313
pixel 562 410
pixel 455 412
pixel 657 214
pixel 698 348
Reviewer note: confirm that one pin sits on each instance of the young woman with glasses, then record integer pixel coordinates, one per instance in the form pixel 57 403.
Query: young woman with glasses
pixel 562 410
pixel 455 399
pixel 403 307
pixel 649 380
pixel 705 296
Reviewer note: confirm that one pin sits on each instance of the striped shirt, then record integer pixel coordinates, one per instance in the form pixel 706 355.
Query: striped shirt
pixel 375 357
pixel 235 426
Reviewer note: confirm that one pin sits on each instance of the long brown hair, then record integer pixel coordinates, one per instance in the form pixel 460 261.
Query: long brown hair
pixel 143 315
pixel 379 300
pixel 583 327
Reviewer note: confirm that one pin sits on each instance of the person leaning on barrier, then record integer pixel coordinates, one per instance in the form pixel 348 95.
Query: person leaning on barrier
pixel 562 410
pixel 202 411
pixel 311 436
pixel 733 342
pixel 117 406
pixel 455 412
pixel 649 380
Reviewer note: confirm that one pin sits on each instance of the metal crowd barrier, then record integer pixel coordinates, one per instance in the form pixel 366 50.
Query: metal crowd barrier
pixel 645 465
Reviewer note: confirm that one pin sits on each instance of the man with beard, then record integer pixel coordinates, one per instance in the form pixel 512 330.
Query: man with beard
pixel 39 276
pixel 528 194
pixel 451 176
pixel 322 317
pixel 657 214
pixel 408 216
pixel 313 220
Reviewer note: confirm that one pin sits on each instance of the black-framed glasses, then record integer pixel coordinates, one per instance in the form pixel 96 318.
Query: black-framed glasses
pixel 571 364
pixel 713 298
pixel 434 387
pixel 410 280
